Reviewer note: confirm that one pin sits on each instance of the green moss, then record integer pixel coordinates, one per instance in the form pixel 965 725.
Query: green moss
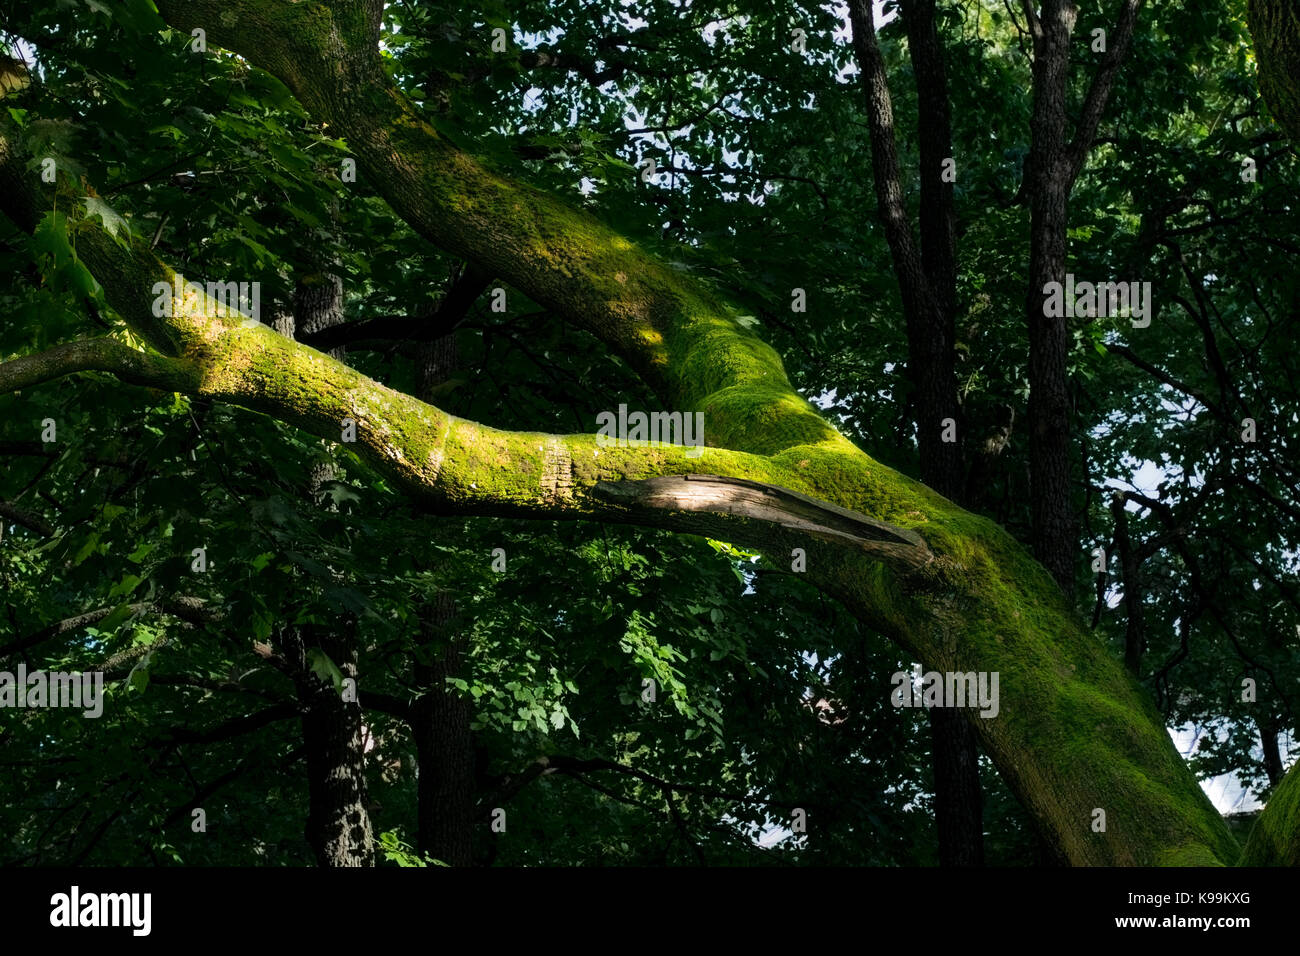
pixel 1190 854
pixel 1275 837
pixel 761 418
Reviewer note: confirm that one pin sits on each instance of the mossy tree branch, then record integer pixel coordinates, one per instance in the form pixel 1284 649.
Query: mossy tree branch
pixel 1074 732
pixel 94 355
pixel 1275 837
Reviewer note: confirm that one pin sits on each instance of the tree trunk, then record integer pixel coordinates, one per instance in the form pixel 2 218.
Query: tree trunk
pixel 1048 174
pixel 928 284
pixel 1269 730
pixel 1275 26
pixel 1135 629
pixel 440 717
pixel 338 824
pixel 959 802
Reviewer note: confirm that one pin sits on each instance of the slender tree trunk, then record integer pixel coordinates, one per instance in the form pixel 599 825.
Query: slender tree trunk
pixel 927 277
pixel 1054 163
pixel 444 746
pixel 1269 728
pixel 1048 173
pixel 338 822
pixel 1135 630
pixel 440 717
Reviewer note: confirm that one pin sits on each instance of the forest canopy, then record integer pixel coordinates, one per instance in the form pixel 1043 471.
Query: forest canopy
pixel 681 433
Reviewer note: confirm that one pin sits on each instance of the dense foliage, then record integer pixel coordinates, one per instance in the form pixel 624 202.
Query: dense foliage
pixel 768 698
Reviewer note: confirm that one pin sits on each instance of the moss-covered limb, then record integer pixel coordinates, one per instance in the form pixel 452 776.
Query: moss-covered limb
pixel 1275 837
pixel 769 505
pixel 681 339
pixel 94 355
pixel 1275 27
pixel 1074 733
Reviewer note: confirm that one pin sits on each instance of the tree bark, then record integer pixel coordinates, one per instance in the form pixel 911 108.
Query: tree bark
pixel 1135 628
pixel 338 821
pixel 440 722
pixel 1269 730
pixel 1275 27
pixel 1047 173
pixel 927 276
pixel 959 801
pixel 1053 165
pixel 338 824
pixel 441 716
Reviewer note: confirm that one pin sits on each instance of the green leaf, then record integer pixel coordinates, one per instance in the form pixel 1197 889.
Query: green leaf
pixel 115 225
pixel 139 679
pixel 125 586
pixel 118 615
pixel 142 552
pixel 87 549
pixel 324 668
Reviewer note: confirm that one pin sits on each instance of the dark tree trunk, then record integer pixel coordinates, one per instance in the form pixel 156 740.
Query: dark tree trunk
pixel 927 277
pixel 1269 728
pixel 440 717
pixel 1049 181
pixel 444 747
pixel 1135 631
pixel 959 802
pixel 931 333
pixel 926 271
pixel 338 824
pixel 1053 165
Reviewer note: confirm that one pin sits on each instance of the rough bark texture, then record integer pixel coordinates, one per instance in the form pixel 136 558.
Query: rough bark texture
pixel 1047 171
pixel 1074 731
pixel 958 799
pixel 1275 26
pixel 338 825
pixel 926 272
pixel 441 716
pixel 1054 163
